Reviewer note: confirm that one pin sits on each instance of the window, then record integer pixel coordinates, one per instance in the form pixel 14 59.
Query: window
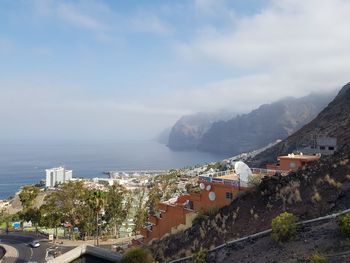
pixel 229 195
pixel 322 148
pixel 331 148
pixel 292 165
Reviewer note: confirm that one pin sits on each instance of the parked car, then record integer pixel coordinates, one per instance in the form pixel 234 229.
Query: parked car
pixel 34 243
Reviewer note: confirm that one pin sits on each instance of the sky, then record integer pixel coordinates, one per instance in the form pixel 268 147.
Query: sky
pixel 127 69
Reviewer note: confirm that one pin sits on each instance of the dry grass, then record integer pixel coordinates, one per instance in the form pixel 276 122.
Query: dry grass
pixel 316 197
pixel 332 182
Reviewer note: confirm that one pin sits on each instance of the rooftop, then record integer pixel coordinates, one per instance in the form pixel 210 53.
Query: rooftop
pixel 300 157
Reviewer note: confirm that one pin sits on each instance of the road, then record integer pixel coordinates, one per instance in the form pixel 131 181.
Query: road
pixel 26 253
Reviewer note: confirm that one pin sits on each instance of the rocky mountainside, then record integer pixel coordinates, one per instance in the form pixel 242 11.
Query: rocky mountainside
pixel 189 129
pixel 262 126
pixel 229 136
pixel 316 190
pixel 333 121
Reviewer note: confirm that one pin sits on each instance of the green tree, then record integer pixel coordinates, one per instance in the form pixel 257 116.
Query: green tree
pixel 140 215
pixel 154 197
pixel 28 195
pixel 118 207
pixel 70 201
pixel 97 201
pixel 33 215
pixel 51 215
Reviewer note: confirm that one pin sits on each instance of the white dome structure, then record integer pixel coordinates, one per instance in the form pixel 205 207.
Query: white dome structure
pixel 244 172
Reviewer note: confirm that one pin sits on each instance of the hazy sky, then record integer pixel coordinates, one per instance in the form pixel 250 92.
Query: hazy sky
pixel 126 69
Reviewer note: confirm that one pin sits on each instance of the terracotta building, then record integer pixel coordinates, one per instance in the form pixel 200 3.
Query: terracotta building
pixel 178 213
pixel 216 190
pixel 292 162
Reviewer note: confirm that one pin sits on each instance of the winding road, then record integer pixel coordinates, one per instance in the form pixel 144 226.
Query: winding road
pixel 26 253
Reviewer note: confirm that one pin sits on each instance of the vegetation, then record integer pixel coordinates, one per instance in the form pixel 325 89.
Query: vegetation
pixel 283 227
pixel 344 224
pixel 199 217
pixel 28 195
pixel 317 257
pixel 141 214
pixel 136 255
pixel 119 202
pixel 218 166
pixel 201 256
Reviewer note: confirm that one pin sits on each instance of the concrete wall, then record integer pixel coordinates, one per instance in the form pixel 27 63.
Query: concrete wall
pixel 86 249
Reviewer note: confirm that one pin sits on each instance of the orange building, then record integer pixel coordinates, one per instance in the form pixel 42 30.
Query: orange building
pixel 292 162
pixel 178 214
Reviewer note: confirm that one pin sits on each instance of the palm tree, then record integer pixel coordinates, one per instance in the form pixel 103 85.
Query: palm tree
pixel 97 202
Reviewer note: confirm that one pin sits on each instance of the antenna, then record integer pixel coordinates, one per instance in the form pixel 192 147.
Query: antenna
pixel 243 171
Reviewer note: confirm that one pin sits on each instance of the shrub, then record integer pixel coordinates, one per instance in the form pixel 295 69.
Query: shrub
pixel 283 227
pixel 200 256
pixel 213 210
pixel 344 224
pixel 316 197
pixel 199 217
pixel 317 257
pixel 136 255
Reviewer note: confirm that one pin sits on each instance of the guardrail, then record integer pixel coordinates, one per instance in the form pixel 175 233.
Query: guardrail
pixel 262 233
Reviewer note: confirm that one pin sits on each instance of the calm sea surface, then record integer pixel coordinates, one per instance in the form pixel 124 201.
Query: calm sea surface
pixel 25 163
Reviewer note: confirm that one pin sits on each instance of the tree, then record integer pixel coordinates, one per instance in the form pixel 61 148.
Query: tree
pixel 118 207
pixel 33 215
pixel 51 215
pixel 97 202
pixel 154 197
pixel 70 201
pixel 28 195
pixel 140 215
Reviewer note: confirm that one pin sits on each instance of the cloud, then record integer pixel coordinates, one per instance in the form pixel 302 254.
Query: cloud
pixel 99 17
pixel 149 24
pixel 288 48
pixel 73 16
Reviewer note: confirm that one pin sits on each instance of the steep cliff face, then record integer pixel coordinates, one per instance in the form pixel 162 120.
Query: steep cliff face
pixel 188 130
pixel 262 126
pixel 333 121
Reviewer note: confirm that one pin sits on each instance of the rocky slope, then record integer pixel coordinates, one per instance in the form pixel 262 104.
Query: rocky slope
pixel 188 130
pixel 262 126
pixel 223 134
pixel 333 121
pixel 315 190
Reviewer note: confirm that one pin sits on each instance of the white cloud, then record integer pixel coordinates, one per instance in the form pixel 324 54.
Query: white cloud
pixel 149 24
pixel 75 17
pixel 291 47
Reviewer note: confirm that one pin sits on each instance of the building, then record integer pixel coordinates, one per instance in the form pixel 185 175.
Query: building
pixel 58 175
pixel 215 191
pixel 292 162
pixel 320 145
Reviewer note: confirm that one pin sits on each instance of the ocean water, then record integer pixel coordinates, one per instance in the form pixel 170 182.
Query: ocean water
pixel 25 163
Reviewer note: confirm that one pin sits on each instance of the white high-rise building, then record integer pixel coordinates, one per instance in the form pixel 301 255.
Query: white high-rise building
pixel 57 175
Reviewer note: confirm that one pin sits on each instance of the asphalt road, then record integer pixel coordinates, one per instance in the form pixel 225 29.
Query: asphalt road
pixel 21 241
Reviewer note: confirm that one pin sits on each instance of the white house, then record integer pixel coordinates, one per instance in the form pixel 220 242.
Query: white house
pixel 57 175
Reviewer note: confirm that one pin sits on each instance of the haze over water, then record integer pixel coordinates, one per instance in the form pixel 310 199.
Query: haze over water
pixel 25 163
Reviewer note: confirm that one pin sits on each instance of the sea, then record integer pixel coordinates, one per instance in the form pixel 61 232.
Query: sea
pixel 25 162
